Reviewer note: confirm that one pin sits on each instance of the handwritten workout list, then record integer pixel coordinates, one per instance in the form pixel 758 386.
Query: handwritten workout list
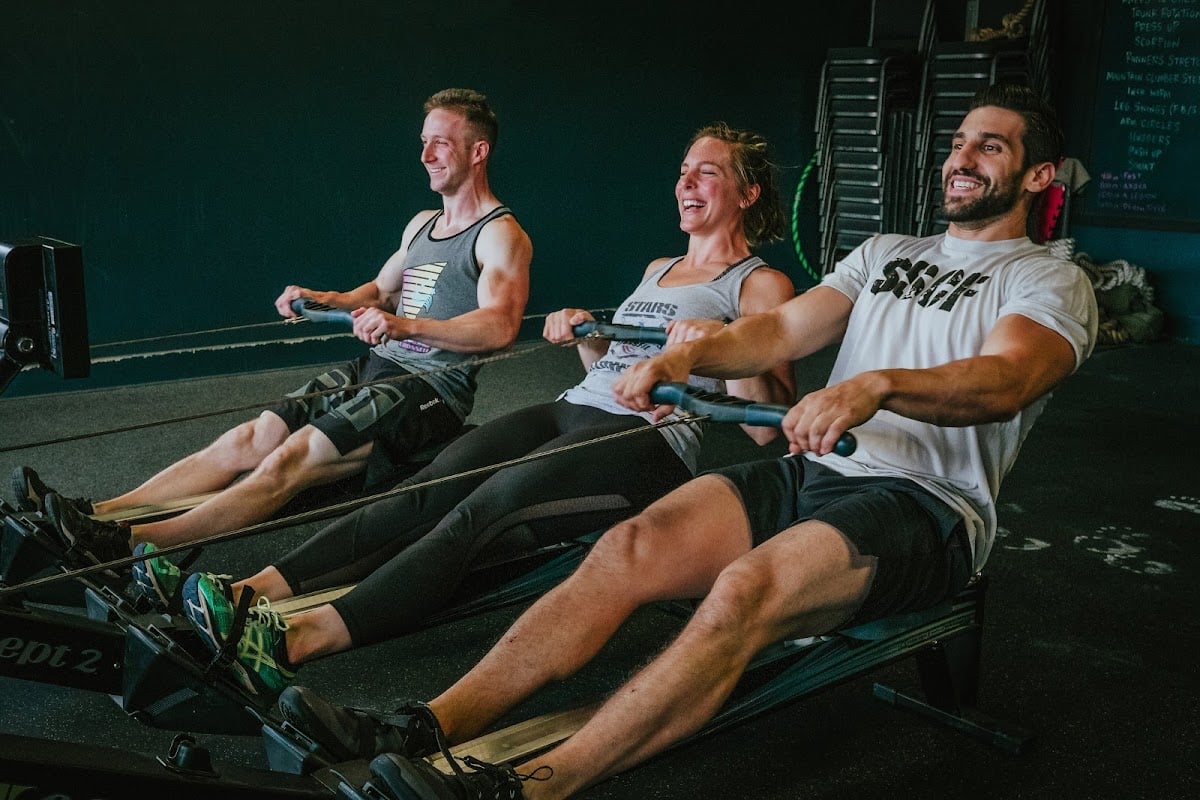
pixel 1147 123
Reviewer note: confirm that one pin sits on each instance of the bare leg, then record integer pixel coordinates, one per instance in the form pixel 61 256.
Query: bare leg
pixel 317 632
pixel 267 583
pixel 674 549
pixel 805 581
pixel 306 458
pixel 234 452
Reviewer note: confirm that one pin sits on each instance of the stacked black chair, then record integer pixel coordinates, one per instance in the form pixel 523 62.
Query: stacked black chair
pixel 954 71
pixel 863 90
pixel 887 113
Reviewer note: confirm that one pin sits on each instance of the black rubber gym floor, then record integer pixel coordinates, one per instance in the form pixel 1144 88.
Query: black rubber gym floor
pixel 1090 639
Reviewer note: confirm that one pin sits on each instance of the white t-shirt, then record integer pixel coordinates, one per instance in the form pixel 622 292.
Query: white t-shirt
pixel 924 302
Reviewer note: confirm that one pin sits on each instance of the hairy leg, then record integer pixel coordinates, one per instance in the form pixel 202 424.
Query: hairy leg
pixel 805 581
pixel 306 458
pixel 233 453
pixel 674 549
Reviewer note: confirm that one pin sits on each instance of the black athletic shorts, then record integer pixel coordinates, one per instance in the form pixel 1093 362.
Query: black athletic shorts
pixel 402 415
pixel 920 546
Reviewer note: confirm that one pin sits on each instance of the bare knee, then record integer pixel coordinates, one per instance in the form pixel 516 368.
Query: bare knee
pixel 288 463
pixel 304 458
pixel 625 549
pixel 739 604
pixel 245 446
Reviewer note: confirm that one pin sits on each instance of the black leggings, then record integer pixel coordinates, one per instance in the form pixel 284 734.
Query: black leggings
pixel 409 553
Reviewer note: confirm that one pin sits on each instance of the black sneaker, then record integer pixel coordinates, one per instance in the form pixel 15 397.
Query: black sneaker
pixel 29 492
pixel 348 733
pixel 107 541
pixel 400 778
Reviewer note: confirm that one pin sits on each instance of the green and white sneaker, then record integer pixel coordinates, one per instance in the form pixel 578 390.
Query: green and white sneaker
pixel 251 637
pixel 158 580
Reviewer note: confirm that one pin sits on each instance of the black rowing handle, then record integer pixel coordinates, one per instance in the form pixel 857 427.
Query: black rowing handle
pixel 625 333
pixel 319 312
pixel 725 408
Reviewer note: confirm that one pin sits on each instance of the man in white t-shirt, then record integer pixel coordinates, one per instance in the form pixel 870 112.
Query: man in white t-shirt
pixel 950 346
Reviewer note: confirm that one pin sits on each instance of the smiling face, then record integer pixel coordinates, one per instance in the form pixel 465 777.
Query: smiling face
pixel 983 179
pixel 447 146
pixel 707 191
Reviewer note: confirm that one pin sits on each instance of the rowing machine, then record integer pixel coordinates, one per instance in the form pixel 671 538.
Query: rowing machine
pixel 945 639
pixel 43 316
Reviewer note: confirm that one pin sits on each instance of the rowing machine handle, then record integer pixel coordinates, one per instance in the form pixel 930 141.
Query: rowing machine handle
pixel 319 312
pixel 625 333
pixel 725 408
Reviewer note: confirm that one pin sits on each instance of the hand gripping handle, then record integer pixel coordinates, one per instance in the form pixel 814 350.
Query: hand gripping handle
pixel 319 312
pixel 625 333
pixel 724 408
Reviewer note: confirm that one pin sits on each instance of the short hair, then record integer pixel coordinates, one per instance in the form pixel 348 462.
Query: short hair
pixel 1043 138
pixel 472 105
pixel 750 154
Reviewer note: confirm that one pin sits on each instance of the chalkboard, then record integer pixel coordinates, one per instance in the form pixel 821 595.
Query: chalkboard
pixel 1146 128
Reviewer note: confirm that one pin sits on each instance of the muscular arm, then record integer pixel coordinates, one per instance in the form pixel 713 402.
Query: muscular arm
pixel 504 252
pixel 1020 361
pixel 763 290
pixel 748 347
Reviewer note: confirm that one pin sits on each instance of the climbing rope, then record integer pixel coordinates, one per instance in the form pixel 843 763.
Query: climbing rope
pixel 1011 26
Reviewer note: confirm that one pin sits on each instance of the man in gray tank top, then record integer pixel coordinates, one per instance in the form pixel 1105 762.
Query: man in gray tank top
pixel 455 290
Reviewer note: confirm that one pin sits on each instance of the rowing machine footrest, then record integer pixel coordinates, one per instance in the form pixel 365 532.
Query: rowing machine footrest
pixel 164 686
pixel 290 750
pixel 29 551
pixel 104 604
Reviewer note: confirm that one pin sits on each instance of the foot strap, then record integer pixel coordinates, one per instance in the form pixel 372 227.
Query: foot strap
pixel 226 655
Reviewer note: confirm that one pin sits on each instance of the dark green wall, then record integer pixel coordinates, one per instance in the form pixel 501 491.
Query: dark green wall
pixel 206 154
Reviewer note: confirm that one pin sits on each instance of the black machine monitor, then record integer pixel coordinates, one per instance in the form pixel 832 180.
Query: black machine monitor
pixel 43 314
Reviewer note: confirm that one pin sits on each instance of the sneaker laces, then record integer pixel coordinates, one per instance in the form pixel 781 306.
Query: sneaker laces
pixel 507 777
pixel 256 642
pixel 223 582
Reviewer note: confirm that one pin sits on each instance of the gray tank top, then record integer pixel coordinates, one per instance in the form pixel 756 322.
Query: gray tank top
pixel 441 278
pixel 652 305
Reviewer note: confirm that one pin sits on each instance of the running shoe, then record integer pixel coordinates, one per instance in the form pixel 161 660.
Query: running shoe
pixel 395 776
pixel 259 661
pixel 159 581
pixel 349 733
pixel 106 541
pixel 29 492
